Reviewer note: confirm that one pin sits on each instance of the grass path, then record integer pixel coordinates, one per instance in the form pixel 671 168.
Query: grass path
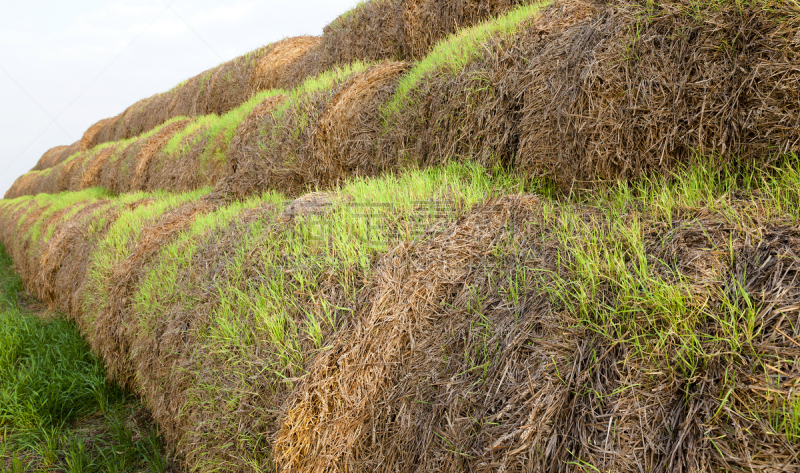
pixel 57 411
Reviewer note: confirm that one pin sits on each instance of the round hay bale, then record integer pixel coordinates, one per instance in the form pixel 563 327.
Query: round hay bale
pixel 280 157
pixel 243 143
pixel 474 112
pixel 328 420
pixel 131 121
pixel 66 153
pixel 186 168
pixel 73 173
pixel 115 344
pixel 110 172
pixel 272 70
pixel 184 98
pixel 64 258
pixel 50 181
pixel 156 112
pixel 91 177
pixel 426 22
pixel 90 137
pixel 21 186
pixel 420 27
pixel 109 131
pixel 677 96
pixel 149 150
pixel 372 31
pixel 229 83
pixel 347 132
pixel 48 159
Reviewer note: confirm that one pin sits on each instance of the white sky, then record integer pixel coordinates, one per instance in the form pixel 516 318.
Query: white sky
pixel 66 64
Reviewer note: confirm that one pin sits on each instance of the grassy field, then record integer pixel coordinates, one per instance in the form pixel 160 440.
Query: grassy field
pixel 57 411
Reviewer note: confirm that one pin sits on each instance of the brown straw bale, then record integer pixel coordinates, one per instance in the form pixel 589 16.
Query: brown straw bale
pixel 155 113
pixel 229 86
pixel 50 183
pixel 601 104
pixel 73 149
pixel 281 155
pixel 173 361
pixel 350 128
pixel 188 99
pixel 426 22
pixel 109 131
pixel 475 112
pixel 244 141
pixel 93 135
pixel 143 164
pixel 763 272
pixel 335 407
pixel 73 173
pixel 22 185
pixel 372 31
pixel 48 159
pixel 185 168
pixel 60 247
pixel 273 69
pixel 253 380
pixel 96 164
pixel 72 255
pixel 120 168
pixel 184 97
pixel 130 123
pixel 25 250
pixel 113 330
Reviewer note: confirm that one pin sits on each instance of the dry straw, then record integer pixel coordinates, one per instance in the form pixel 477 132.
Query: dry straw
pixel 280 155
pixel 348 130
pixel 143 170
pixel 114 328
pixel 49 158
pixel 91 177
pixel 639 88
pixel 92 136
pixel 244 143
pixel 330 417
pixel 229 86
pixel 272 70
pixel 190 167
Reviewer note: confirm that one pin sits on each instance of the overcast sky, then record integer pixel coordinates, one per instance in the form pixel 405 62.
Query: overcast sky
pixel 65 65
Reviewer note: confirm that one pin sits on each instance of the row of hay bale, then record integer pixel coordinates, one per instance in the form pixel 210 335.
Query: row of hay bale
pixel 259 348
pixel 568 95
pixel 179 155
pixel 373 31
pixel 120 167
